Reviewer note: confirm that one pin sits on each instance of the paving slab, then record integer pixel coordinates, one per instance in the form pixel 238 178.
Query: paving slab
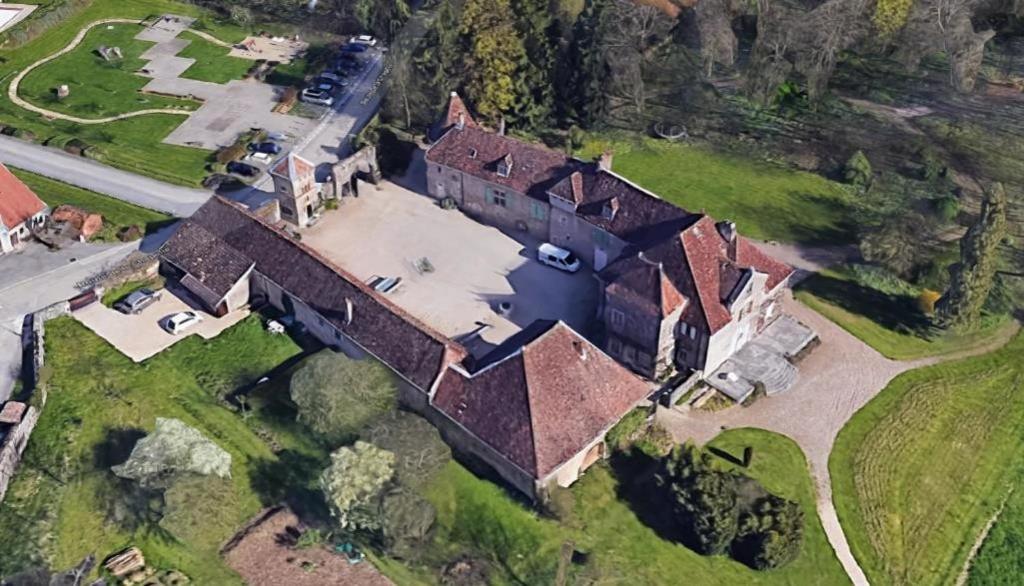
pixel 167 28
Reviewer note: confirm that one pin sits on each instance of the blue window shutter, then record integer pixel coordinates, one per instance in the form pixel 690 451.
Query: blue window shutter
pixel 488 195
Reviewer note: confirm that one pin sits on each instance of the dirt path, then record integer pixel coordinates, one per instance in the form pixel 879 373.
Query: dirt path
pixel 210 38
pixel 836 380
pixel 12 90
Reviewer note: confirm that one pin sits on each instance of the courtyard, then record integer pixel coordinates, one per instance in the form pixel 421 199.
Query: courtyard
pixel 453 273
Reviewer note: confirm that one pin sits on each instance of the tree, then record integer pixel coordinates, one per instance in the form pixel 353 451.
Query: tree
pixel 356 478
pixel 417 445
pixel 200 510
pixel 704 499
pixel 583 98
pixel 769 533
pixel 535 93
pixel 406 520
pixel 173 449
pixel 495 52
pixel 972 279
pixel 337 395
pixel 857 171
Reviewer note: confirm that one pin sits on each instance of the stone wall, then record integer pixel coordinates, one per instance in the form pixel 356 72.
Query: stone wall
pixel 13 445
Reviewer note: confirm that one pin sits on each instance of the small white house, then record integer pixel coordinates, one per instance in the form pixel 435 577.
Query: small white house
pixel 20 209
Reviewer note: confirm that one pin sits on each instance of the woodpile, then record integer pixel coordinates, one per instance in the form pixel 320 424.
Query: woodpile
pixel 125 562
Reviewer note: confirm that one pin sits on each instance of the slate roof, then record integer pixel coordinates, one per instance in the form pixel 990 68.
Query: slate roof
pixel 17 202
pixel 544 403
pixel 698 264
pixel 622 208
pixel 207 259
pixel 293 167
pixel 477 152
pixel 405 344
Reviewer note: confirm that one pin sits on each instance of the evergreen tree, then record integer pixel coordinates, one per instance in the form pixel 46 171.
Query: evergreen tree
pixel 495 53
pixel 584 100
pixel 704 499
pixel 971 279
pixel 535 92
pixel 769 533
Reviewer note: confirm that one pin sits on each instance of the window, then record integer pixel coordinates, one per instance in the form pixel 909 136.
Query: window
pixel 643 358
pixel 538 211
pixel 614 346
pixel 495 197
pixel 618 318
pixel 629 353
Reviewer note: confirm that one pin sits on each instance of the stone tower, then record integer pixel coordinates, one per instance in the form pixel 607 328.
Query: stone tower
pixel 296 189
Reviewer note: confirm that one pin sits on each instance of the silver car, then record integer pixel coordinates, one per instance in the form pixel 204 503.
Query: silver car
pixel 136 301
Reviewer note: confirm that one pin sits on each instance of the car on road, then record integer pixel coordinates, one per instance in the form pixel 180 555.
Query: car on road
pixel 136 301
pixel 243 169
pixel 363 40
pixel 182 321
pixel 318 97
pixel 269 147
pixel 557 257
pixel 354 48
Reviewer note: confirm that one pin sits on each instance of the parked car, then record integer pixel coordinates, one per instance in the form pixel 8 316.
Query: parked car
pixel 559 258
pixel 363 40
pixel 315 96
pixel 278 136
pixel 136 301
pixel 335 79
pixel 182 321
pixel 269 147
pixel 354 48
pixel 243 169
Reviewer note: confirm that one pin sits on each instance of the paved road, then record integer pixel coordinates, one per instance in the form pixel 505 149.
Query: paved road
pixel 88 174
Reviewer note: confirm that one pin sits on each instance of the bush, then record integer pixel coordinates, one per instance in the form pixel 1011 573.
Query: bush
pixel 858 170
pixel 417 445
pixel 406 521
pixel 231 153
pixel 353 483
pixel 338 396
pixel 627 430
pixel 947 208
pixel 769 534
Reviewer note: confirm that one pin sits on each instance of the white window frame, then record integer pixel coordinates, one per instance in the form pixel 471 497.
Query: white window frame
pixel 617 317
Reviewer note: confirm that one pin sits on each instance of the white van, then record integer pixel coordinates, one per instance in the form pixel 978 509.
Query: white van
pixel 559 258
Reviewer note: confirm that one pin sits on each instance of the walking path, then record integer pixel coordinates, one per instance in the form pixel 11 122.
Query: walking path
pixel 836 380
pixel 12 90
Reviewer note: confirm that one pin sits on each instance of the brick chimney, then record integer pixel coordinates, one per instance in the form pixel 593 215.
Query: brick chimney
pixel 727 229
pixel 604 162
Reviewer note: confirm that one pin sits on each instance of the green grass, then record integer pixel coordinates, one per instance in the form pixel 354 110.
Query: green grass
pixel 767 202
pixel 918 472
pixel 132 144
pixel 99 399
pixel 479 518
pixel 1000 561
pixel 295 72
pixel 212 61
pixel 99 88
pixel 889 322
pixel 116 213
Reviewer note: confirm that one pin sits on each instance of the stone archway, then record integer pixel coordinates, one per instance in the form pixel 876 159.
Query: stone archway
pixel 362 165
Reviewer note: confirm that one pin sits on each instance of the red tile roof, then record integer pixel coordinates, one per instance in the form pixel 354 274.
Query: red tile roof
pixel 545 403
pixel 455 111
pixel 478 152
pixel 17 202
pixel 293 167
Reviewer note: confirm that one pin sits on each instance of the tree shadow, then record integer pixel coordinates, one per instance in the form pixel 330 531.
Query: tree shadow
pixel 637 487
pixel 116 446
pixel 291 479
pixel 893 312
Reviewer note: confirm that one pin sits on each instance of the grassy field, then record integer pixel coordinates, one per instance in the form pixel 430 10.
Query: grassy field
pixel 1000 561
pixel 919 471
pixel 59 503
pixel 99 88
pixel 477 517
pixel 212 61
pixel 767 202
pixel 116 214
pixel 132 144
pixel 889 322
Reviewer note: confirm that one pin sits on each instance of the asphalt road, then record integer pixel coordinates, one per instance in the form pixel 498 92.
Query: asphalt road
pixel 88 174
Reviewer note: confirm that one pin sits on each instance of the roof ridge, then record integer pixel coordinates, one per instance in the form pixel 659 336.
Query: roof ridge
pixel 689 266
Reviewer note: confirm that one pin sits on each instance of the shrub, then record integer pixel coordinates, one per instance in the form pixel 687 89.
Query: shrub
pixel 947 208
pixel 417 445
pixel 337 396
pixel 356 478
pixel 406 521
pixel 627 430
pixel 858 170
pixel 231 153
pixel 769 534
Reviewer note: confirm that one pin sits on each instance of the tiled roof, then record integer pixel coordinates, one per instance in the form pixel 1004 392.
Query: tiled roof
pixel 455 110
pixel 478 152
pixel 698 265
pixel 611 202
pixel 545 403
pixel 408 346
pixel 644 285
pixel 207 259
pixel 17 202
pixel 293 167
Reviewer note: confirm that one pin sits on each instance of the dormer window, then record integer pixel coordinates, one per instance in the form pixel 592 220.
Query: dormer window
pixel 505 166
pixel 472 153
pixel 611 207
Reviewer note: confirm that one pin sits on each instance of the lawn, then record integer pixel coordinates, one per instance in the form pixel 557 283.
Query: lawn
pixel 1000 561
pixel 889 321
pixel 116 213
pixel 479 518
pixel 57 508
pixel 99 88
pixel 212 61
pixel 132 144
pixel 767 202
pixel 919 471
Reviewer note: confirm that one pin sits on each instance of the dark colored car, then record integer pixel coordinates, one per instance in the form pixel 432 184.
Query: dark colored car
pixel 242 169
pixel 271 148
pixel 136 301
pixel 354 48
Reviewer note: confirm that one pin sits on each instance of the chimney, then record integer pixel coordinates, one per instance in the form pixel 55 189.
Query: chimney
pixel 604 162
pixel 727 230
pixel 581 350
pixel 462 121
pixel 501 126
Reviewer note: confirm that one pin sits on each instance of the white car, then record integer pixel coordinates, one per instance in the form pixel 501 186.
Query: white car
pixel 314 96
pixel 559 258
pixel 182 321
pixel 364 40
